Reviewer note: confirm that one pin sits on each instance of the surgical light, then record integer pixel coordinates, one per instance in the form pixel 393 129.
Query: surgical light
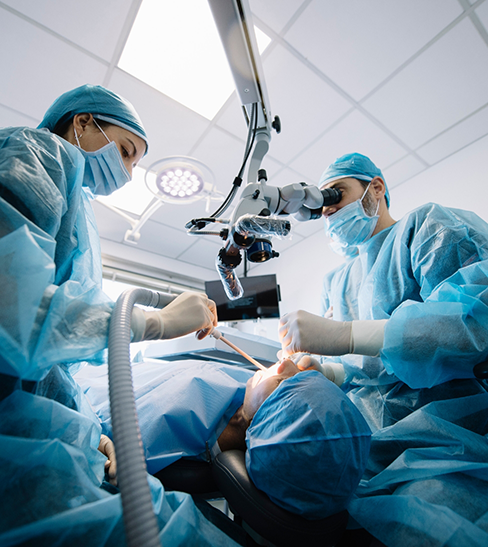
pixel 178 183
pixel 180 180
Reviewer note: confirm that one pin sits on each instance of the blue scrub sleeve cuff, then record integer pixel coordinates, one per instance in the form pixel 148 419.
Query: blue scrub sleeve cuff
pixel 367 337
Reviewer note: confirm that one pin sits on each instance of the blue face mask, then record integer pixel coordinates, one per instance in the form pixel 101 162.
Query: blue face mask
pixel 105 171
pixel 350 226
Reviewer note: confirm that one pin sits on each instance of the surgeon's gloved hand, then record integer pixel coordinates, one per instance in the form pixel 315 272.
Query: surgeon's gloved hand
pixel 189 312
pixel 332 371
pixel 302 331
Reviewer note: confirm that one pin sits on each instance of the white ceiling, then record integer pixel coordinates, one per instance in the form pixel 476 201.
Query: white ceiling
pixel 402 81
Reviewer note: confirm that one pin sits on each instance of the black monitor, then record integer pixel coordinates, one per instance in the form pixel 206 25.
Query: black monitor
pixel 260 299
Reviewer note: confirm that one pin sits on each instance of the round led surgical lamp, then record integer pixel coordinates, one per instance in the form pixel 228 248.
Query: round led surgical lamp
pixel 180 180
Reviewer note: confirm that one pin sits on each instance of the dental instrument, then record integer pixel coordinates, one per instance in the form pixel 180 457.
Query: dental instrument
pixel 218 336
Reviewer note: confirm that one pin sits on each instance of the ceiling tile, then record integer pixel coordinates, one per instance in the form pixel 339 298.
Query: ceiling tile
pixel 455 138
pixel 308 228
pixel 171 127
pixel 355 133
pixel 57 66
pixel 281 245
pixel 460 181
pixel 275 13
pixel 11 118
pixel 272 167
pixel 163 240
pixel 305 104
pixel 223 154
pixel 402 170
pixel 110 224
pixel 441 87
pixel 358 44
pixel 203 252
pixel 232 119
pixel 154 237
pixel 287 176
pixel 91 24
pixel 482 13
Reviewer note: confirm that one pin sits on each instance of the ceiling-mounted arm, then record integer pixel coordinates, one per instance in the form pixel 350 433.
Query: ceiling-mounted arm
pixel 234 24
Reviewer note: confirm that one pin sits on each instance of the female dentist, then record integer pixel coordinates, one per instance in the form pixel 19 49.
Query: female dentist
pixel 54 317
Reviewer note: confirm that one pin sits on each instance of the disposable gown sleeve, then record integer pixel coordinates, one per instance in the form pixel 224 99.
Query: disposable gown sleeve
pixel 441 338
pixel 52 309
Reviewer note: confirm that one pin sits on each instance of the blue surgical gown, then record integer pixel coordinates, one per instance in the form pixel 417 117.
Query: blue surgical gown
pixel 182 406
pixel 53 318
pixel 426 482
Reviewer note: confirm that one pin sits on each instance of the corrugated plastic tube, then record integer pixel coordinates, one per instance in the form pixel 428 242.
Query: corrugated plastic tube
pixel 140 522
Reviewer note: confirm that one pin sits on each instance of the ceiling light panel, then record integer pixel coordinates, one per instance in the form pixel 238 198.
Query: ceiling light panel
pixel 175 48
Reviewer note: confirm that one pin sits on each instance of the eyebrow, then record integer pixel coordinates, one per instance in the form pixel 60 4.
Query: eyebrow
pixel 135 148
pixel 332 184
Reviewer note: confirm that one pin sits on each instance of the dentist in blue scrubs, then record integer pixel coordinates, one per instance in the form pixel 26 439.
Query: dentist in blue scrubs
pixel 404 321
pixel 54 319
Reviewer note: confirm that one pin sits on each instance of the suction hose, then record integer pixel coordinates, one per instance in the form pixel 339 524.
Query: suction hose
pixel 140 522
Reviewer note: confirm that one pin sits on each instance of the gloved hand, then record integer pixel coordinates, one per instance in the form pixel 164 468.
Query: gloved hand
pixel 107 448
pixel 187 313
pixel 332 371
pixel 301 331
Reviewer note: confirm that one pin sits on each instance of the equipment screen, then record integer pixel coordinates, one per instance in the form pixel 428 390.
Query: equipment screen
pixel 260 299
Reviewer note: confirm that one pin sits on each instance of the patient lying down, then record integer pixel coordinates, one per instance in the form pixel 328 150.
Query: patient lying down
pixel 306 444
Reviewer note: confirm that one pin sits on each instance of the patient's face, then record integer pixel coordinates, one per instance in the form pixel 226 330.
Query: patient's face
pixel 263 383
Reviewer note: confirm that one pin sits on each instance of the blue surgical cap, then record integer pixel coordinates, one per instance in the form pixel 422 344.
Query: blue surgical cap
pixel 307 446
pixel 356 166
pixel 97 100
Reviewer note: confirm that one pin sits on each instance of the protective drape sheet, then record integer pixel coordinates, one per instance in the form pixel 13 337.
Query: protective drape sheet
pixel 182 406
pixel 426 482
pixel 53 317
pixel 307 446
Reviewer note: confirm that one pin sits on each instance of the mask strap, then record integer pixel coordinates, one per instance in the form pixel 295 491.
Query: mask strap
pixel 365 192
pixel 76 137
pixel 95 122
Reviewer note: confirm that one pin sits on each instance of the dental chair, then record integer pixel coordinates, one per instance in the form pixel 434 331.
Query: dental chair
pixel 261 518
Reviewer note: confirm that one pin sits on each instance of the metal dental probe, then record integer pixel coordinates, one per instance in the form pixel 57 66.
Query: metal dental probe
pixel 218 336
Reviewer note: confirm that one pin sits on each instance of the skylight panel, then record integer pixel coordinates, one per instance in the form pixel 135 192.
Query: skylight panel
pixel 174 47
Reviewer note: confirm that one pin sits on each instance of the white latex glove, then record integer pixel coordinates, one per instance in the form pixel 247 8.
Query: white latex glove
pixel 301 331
pixel 189 312
pixel 332 371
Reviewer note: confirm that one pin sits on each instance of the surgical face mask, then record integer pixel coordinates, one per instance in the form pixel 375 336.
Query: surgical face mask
pixel 105 171
pixel 350 226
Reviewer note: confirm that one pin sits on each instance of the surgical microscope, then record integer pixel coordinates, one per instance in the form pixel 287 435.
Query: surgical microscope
pixel 261 210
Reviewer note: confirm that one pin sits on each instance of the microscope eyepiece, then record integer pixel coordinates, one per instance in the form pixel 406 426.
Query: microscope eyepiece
pixel 331 196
